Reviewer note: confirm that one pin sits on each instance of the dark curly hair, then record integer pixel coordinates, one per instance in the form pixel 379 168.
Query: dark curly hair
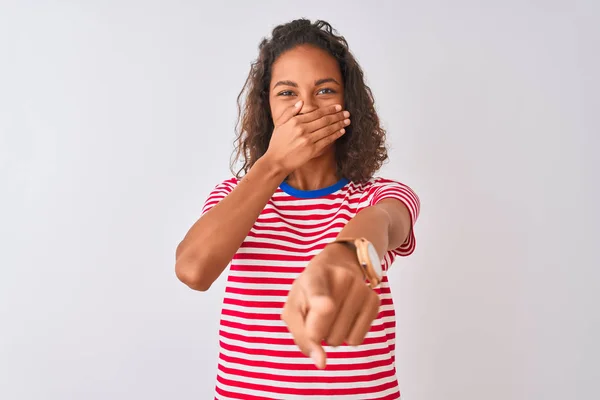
pixel 360 152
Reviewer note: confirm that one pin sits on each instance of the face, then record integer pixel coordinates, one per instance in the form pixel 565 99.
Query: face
pixel 305 73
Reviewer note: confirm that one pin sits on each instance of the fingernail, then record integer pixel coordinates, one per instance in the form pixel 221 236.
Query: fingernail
pixel 313 355
pixel 298 104
pixel 346 114
pixel 338 107
pixel 347 121
pixel 342 130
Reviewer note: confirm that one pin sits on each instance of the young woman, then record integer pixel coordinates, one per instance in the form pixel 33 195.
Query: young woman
pixel 308 229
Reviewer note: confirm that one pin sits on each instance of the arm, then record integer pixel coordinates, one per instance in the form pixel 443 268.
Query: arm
pixel 386 225
pixel 213 240
pixel 330 299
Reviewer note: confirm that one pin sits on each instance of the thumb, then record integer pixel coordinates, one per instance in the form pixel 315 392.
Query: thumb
pixel 289 113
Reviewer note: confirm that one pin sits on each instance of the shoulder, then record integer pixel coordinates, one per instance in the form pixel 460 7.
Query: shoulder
pixel 218 193
pixel 232 181
pixel 227 184
pixel 379 188
pixel 381 183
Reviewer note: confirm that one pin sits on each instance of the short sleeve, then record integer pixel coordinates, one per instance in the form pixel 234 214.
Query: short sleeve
pixel 389 189
pixel 219 193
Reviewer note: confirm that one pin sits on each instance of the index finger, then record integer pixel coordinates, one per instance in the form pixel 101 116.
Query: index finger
pixel 318 113
pixel 294 315
pixel 288 113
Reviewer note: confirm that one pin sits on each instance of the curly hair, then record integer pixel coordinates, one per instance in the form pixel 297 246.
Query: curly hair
pixel 360 152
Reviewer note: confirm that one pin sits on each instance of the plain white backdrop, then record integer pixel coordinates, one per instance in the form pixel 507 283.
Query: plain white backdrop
pixel 117 118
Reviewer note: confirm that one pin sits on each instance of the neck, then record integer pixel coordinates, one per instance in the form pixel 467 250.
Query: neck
pixel 318 173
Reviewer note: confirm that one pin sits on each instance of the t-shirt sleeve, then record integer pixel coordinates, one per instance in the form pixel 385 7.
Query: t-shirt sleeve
pixel 388 189
pixel 218 193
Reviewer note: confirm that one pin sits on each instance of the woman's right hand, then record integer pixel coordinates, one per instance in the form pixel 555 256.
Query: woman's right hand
pixel 298 138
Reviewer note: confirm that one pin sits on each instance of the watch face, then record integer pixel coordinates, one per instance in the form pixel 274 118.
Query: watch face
pixel 374 257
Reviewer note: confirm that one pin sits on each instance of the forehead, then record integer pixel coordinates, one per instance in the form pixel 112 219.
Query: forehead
pixel 305 64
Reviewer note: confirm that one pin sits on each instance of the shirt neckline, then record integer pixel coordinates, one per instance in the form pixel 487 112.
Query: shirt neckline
pixel 312 194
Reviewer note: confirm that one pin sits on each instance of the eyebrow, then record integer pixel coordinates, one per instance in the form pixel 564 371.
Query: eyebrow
pixel 318 82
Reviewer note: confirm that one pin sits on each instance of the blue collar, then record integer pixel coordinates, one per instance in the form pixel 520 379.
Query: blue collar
pixel 312 194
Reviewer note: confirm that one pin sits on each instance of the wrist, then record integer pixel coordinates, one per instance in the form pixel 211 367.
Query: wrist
pixel 341 255
pixel 270 168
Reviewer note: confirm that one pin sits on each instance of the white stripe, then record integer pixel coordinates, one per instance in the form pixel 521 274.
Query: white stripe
pixel 308 238
pixel 248 321
pixel 277 310
pixel 293 215
pixel 260 393
pixel 353 197
pixel 283 299
pixel 259 335
pixel 294 347
pixel 303 360
pixel 253 310
pixel 221 397
pixel 262 274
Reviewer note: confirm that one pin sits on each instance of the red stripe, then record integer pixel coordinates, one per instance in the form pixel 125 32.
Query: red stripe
pixel 254 327
pixel 272 257
pixel 255 292
pixel 312 218
pixel 239 314
pixel 279 292
pixel 314 249
pixel 261 280
pixel 334 206
pixel 278 305
pixel 267 269
pixel 292 366
pixel 393 396
pixel 309 239
pixel 281 196
pixel 283 329
pixel 281 341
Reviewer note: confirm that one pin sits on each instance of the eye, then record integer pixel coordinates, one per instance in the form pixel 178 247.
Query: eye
pixel 286 93
pixel 326 91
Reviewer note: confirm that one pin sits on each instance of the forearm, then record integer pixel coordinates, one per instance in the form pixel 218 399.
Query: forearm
pixel 213 240
pixel 373 224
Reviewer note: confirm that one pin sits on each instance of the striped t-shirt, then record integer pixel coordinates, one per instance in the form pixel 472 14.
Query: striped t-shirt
pixel 258 358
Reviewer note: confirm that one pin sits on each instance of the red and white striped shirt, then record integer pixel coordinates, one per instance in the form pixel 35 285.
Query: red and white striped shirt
pixel 258 358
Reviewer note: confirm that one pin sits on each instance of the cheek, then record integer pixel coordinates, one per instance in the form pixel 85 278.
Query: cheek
pixel 331 100
pixel 275 110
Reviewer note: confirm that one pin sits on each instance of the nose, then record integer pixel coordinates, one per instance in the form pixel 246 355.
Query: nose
pixel 309 105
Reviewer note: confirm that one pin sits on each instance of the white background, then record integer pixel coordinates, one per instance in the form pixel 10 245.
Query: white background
pixel 116 120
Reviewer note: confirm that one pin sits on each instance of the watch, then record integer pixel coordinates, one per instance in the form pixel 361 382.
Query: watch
pixel 368 258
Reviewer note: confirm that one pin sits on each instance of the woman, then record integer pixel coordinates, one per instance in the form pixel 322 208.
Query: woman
pixel 299 320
